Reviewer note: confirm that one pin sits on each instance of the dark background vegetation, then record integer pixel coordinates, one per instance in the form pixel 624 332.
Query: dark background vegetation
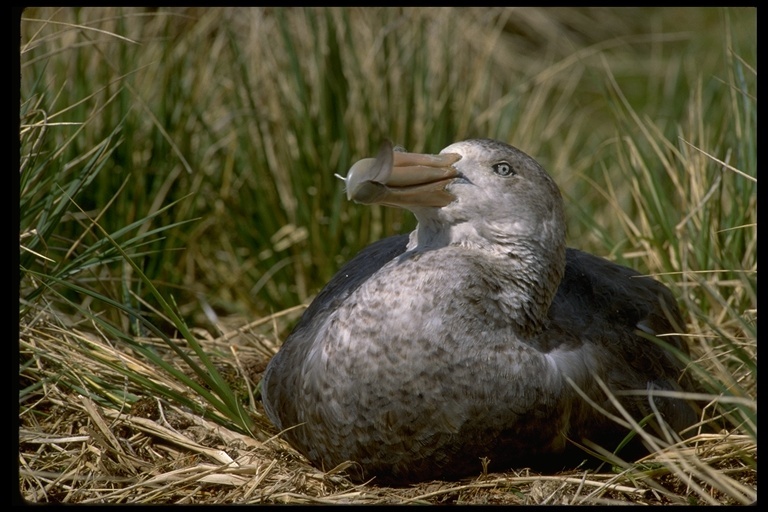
pixel 239 119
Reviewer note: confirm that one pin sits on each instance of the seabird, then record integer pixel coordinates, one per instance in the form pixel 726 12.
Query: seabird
pixel 475 338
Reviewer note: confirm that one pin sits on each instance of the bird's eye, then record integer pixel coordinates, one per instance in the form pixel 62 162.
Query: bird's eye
pixel 503 169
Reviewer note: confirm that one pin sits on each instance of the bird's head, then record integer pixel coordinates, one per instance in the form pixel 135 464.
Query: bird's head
pixel 473 192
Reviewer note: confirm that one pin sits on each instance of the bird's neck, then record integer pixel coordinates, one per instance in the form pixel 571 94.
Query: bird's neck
pixel 522 281
pixel 507 282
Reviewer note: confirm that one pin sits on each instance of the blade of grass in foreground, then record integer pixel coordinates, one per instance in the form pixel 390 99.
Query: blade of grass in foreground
pixel 224 400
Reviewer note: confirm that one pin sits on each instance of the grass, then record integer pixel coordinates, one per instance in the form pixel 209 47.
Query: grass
pixel 178 205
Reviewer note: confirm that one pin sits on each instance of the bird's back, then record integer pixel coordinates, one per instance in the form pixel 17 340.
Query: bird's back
pixel 630 328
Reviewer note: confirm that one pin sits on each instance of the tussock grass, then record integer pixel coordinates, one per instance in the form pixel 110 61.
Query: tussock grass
pixel 178 206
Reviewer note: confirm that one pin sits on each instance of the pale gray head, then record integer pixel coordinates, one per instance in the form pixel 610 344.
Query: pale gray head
pixel 480 193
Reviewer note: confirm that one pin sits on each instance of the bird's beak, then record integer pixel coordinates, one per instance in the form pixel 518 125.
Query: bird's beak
pixel 402 179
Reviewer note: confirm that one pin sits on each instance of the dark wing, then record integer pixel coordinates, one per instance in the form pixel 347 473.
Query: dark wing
pixel 612 314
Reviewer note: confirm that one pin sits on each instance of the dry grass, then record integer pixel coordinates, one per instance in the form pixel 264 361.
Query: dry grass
pixel 74 450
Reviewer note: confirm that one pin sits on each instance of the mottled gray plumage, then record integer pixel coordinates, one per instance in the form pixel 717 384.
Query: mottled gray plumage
pixel 429 351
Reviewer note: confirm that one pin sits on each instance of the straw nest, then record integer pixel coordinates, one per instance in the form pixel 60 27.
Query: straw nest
pixel 78 444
